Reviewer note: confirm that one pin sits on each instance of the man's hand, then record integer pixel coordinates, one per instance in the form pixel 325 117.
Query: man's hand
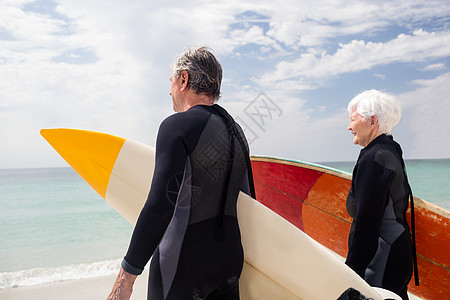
pixel 123 287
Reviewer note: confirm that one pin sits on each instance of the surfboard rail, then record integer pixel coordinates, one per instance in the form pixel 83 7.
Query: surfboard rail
pixel 312 197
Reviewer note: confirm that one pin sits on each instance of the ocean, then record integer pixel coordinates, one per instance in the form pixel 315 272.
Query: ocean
pixel 54 226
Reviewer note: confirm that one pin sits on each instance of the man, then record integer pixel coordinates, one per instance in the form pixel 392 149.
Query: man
pixel 189 223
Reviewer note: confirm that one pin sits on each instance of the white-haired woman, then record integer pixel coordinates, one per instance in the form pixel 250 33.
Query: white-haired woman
pixel 380 243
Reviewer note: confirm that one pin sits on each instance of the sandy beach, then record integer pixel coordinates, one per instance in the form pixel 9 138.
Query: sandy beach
pixel 94 288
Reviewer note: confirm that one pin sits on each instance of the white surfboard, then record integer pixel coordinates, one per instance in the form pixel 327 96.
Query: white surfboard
pixel 281 261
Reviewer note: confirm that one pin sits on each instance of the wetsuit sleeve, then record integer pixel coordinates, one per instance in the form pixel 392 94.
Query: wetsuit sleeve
pixel 372 183
pixel 158 210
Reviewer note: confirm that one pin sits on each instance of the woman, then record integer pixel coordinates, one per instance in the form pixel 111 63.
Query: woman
pixel 379 241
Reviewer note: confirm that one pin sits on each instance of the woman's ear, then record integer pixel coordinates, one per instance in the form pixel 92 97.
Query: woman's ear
pixel 374 120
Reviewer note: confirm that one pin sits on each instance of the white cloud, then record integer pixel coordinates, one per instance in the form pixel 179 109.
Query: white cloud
pixel 103 65
pixel 306 23
pixel 359 55
pixel 435 67
pixel 424 128
pixel 380 76
pixel 422 132
pixel 298 136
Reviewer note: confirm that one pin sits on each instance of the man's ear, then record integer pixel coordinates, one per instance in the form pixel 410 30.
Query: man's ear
pixel 184 77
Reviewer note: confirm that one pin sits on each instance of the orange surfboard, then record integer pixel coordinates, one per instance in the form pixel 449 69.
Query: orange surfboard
pixel 312 197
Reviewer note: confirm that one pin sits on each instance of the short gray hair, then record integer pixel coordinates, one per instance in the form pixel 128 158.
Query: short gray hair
pixel 204 70
pixel 383 105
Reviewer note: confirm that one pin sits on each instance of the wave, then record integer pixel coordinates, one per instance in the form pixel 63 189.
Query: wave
pixel 39 276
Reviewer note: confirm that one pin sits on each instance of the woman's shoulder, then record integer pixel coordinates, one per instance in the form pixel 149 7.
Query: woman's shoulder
pixel 388 158
pixel 383 154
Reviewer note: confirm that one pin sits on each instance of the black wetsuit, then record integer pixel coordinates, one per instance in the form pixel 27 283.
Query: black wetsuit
pixel 379 240
pixel 189 222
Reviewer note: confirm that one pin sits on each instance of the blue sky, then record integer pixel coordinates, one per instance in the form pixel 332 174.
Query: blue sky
pixel 290 68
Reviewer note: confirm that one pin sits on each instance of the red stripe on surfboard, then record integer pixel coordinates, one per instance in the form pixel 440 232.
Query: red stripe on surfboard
pixel 288 207
pixel 283 188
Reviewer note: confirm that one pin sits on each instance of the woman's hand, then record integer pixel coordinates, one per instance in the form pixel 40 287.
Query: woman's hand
pixel 123 287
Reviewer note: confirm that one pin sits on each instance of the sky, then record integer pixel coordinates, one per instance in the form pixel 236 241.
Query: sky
pixel 290 68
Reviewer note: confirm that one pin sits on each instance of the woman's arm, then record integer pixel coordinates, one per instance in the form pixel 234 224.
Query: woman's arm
pixel 372 183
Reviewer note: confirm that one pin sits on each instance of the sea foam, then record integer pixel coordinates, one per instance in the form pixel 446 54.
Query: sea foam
pixel 37 276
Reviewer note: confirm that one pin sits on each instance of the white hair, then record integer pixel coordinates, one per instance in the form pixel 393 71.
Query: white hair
pixel 383 105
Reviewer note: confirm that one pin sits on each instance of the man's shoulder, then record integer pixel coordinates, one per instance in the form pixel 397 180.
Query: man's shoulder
pixel 184 122
pixel 193 113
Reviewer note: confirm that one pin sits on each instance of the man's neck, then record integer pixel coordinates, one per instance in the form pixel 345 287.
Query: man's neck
pixel 196 99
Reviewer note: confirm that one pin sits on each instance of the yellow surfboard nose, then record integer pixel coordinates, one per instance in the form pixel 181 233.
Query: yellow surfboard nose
pixel 91 154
